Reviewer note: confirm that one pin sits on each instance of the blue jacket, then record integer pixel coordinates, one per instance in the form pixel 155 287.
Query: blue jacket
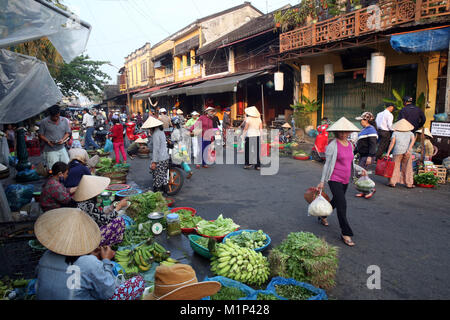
pixel 96 278
pixel 367 142
pixel 76 171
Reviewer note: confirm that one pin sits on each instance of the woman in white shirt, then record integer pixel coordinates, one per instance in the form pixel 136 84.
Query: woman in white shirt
pixel 252 134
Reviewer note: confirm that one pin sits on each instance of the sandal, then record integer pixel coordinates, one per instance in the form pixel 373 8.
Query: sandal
pixel 350 243
pixel 360 195
pixel 369 195
pixel 391 185
pixel 323 221
pixel 411 187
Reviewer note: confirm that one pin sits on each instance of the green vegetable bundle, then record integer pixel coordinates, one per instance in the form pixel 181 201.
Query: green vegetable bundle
pixel 145 203
pixel 428 178
pixel 293 292
pixel 217 228
pixel 187 220
pixel 136 234
pixel 202 241
pixel 250 240
pixel 306 258
pixel 228 293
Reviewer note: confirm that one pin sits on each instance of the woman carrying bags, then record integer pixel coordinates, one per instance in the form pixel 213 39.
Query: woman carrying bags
pixel 337 171
pixel 366 146
pixel 160 156
pixel 402 141
pixel 75 266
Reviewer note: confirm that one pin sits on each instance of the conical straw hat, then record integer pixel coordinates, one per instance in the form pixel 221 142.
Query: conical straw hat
pixel 90 186
pixel 67 231
pixel 402 125
pixel 286 125
pixel 343 125
pixel 252 112
pixel 140 140
pixel 426 132
pixel 151 122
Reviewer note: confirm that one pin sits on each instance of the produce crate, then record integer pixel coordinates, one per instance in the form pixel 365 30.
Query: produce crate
pixel 439 170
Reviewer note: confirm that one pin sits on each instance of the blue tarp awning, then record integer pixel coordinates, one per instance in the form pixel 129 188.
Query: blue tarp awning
pixel 422 41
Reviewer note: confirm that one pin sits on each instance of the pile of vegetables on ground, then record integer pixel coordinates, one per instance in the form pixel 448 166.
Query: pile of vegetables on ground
pixel 137 233
pixel 299 153
pixel 7 286
pixel 105 165
pixel 248 239
pixel 306 258
pixel 292 292
pixel 228 293
pixel 240 264
pixel 217 228
pixel 145 203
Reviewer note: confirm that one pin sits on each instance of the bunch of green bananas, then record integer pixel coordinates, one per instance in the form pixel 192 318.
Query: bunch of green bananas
pixel 240 264
pixel 140 258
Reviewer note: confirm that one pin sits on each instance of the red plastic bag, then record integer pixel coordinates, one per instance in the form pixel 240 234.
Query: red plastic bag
pixel 385 167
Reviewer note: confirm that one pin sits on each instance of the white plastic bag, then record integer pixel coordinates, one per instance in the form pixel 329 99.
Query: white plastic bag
pixel 320 207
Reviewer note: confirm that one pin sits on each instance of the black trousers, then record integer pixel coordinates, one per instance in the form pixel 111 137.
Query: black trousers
pixel 383 144
pixel 340 204
pixel 252 147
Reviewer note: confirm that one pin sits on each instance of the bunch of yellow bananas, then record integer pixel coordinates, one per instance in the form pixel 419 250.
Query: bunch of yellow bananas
pixel 240 264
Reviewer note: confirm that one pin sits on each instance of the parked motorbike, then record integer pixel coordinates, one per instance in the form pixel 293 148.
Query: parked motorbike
pixel 132 133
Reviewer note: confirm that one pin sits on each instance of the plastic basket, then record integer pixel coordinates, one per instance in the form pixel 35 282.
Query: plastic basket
pixel 235 233
pixel 217 238
pixel 201 250
pixel 170 202
pixel 175 210
pixel 301 157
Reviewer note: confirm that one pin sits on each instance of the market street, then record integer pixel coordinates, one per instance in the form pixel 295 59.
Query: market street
pixel 404 232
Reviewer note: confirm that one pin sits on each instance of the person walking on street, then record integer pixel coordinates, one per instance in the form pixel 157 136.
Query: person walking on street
pixel 160 155
pixel 226 124
pixel 401 145
pixel 384 122
pixel 252 135
pixel 180 138
pixel 412 113
pixel 164 118
pixel 196 140
pixel 88 123
pixel 54 131
pixel 337 171
pixel 205 123
pixel 117 140
pixel 366 146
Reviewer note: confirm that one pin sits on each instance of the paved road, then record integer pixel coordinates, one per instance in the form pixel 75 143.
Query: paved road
pixel 404 232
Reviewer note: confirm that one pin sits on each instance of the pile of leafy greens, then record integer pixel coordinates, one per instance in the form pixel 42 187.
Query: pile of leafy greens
pixel 217 228
pixel 145 203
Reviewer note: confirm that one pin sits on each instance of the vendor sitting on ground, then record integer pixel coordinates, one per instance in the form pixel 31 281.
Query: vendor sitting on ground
pixel 287 134
pixel 429 148
pixel 77 169
pixel 72 240
pixel 112 226
pixel 77 150
pixel 54 194
pixel 138 145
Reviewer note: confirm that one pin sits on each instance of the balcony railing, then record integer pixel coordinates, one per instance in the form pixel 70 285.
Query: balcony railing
pixel 197 69
pixel 382 16
pixel 165 79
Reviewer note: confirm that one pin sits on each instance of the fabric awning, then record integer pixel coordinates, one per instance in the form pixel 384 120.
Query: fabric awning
pixel 228 84
pixel 144 94
pixel 421 41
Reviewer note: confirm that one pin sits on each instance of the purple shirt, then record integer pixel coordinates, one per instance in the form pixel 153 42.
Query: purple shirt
pixel 343 167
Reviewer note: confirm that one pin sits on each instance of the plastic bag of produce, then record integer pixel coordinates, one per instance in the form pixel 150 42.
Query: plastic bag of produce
pixel 320 207
pixel 19 195
pixel 108 146
pixel 227 282
pixel 317 293
pixel 364 184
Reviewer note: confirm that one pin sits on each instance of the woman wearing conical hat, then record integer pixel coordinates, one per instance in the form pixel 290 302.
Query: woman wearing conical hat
pixel 75 266
pixel 337 171
pixel 428 145
pixel 112 226
pixel 402 141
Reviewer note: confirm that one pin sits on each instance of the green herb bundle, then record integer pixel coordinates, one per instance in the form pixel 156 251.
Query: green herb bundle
pixel 145 203
pixel 306 258
pixel 427 178
pixel 228 293
pixel 293 292
pixel 250 240
pixel 263 296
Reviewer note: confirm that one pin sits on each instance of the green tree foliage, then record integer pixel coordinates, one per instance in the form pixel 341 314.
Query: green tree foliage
pixel 82 75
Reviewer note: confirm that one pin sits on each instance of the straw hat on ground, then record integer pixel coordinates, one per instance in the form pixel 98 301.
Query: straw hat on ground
pixel 286 125
pixel 90 186
pixel 151 122
pixel 140 140
pixel 67 231
pixel 426 132
pixel 252 112
pixel 343 125
pixel 179 282
pixel 402 125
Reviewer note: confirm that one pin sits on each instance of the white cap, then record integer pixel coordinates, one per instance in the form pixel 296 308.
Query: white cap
pixel 162 110
pixel 195 113
pixel 209 108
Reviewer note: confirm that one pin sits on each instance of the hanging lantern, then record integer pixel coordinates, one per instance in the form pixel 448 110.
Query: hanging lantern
pixel 369 71
pixel 378 66
pixel 306 73
pixel 329 74
pixel 279 81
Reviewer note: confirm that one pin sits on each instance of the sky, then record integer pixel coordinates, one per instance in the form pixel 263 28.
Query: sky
pixel 121 26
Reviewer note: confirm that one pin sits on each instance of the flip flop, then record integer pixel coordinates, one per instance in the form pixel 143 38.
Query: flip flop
pixel 411 187
pixel 368 196
pixel 360 195
pixel 349 243
pixel 323 222
pixel 390 185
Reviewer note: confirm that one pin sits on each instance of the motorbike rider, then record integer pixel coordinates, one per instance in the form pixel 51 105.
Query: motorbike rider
pixel 181 140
